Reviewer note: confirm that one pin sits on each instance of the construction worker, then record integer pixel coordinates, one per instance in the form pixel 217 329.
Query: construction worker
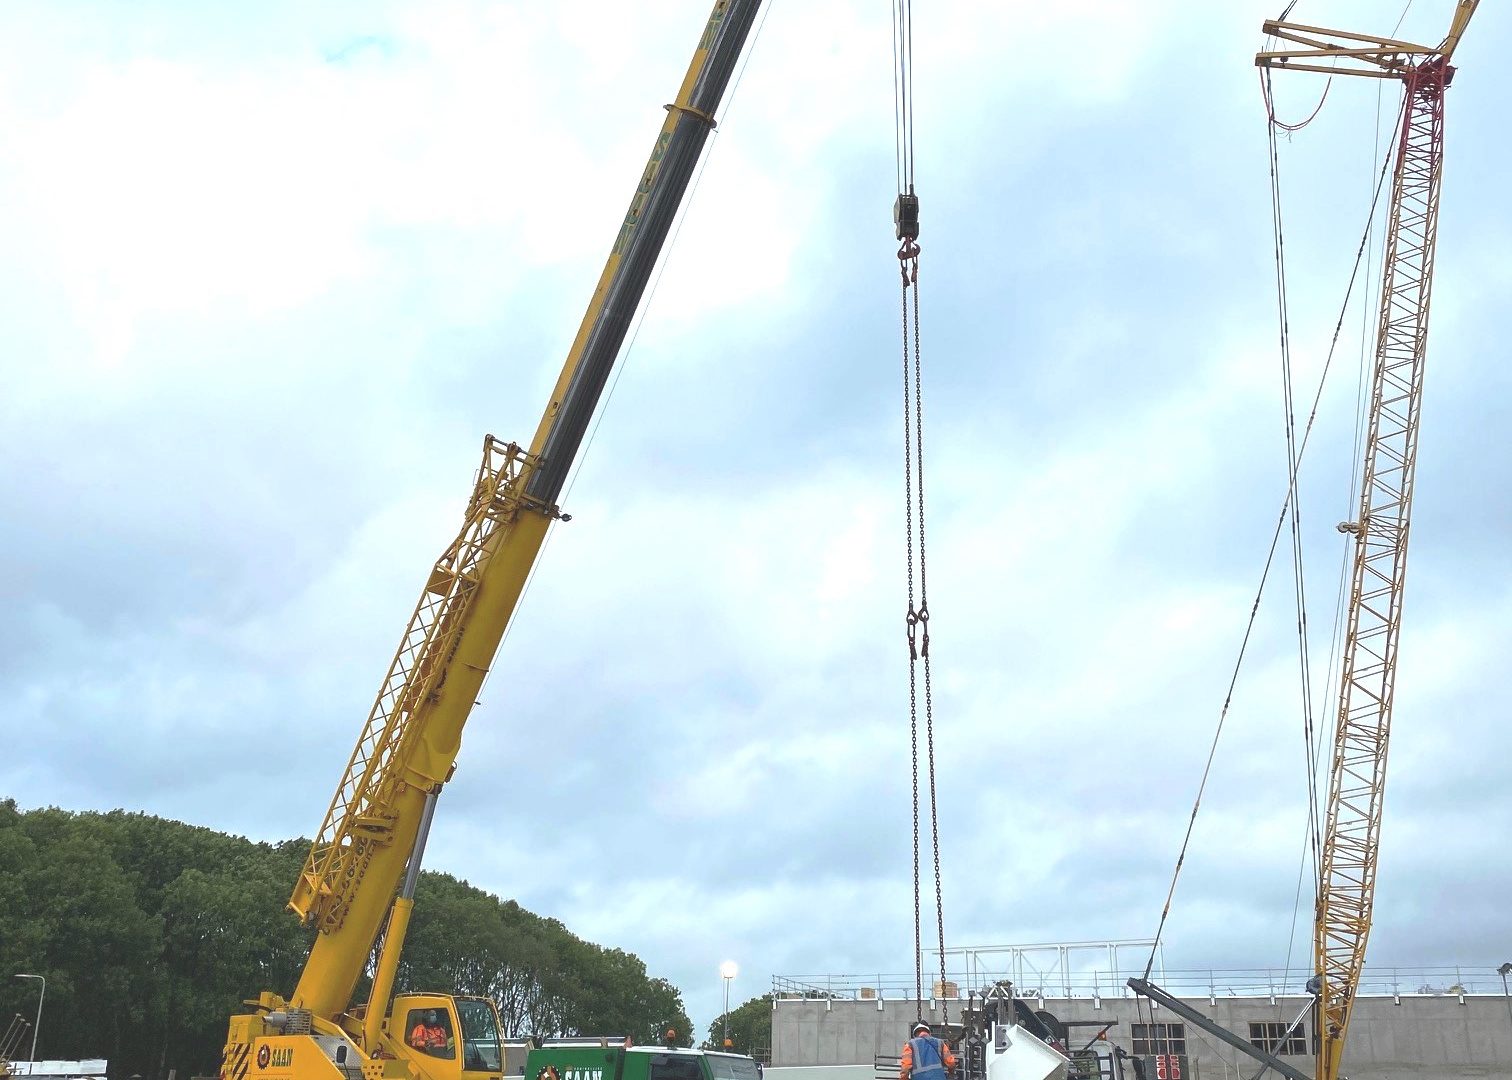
pixel 429 1035
pixel 925 1057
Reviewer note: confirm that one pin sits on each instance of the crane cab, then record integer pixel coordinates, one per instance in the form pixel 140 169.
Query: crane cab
pixel 447 1038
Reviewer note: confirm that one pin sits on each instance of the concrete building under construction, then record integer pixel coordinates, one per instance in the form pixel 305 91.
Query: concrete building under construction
pixel 1419 1023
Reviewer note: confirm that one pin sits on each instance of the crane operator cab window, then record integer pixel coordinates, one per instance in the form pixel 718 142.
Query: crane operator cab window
pixel 480 1036
pixel 430 1031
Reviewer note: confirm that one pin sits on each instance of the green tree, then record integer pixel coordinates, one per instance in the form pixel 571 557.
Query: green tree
pixel 151 933
pixel 73 918
pixel 750 1028
pixel 545 980
pixel 226 937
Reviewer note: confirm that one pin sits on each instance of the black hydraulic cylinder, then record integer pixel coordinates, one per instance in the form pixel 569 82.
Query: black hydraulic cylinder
pixel 643 237
pixel 1218 1031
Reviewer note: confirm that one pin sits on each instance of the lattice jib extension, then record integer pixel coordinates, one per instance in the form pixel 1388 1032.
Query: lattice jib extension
pixel 360 816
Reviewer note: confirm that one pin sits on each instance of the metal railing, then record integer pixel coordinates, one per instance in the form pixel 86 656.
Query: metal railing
pixel 1377 980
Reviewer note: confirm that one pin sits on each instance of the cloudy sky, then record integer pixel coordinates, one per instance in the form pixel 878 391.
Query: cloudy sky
pixel 268 276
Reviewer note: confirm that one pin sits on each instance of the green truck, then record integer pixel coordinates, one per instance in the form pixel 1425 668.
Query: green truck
pixel 617 1059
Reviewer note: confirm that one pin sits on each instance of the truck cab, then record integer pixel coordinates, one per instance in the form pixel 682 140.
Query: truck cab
pixel 450 1038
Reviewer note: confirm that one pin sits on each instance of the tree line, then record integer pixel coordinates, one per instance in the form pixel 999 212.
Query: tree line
pixel 151 933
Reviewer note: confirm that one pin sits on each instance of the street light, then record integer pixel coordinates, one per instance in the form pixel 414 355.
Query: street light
pixel 1504 971
pixel 38 1024
pixel 727 972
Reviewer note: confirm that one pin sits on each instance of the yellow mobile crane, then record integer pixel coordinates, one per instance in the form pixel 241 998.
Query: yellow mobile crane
pixel 1357 779
pixel 359 879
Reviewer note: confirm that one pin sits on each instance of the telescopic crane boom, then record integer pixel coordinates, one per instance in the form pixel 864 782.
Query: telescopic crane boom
pixel 1347 874
pixel 374 833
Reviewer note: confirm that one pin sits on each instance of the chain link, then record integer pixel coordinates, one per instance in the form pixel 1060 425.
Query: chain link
pixel 917 620
pixel 912 622
pixel 923 621
pixel 906 219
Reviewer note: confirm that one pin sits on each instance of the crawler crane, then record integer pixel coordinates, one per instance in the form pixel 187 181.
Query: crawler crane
pixel 1351 839
pixel 1357 776
pixel 372 840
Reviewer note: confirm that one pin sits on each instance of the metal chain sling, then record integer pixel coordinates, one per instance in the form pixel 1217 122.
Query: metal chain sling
pixel 906 222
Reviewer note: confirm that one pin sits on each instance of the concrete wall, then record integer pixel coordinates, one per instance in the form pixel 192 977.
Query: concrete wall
pixel 844 1032
pixel 1423 1038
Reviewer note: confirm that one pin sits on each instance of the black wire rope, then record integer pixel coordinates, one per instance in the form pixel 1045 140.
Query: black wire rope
pixel 1299 581
pixel 1315 739
pixel 1265 571
pixel 913 473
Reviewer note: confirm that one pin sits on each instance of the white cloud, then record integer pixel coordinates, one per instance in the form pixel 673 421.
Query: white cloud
pixel 266 288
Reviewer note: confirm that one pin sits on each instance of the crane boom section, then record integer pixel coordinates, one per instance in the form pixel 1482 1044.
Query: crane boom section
pixel 1358 775
pixel 409 743
pixel 1366 54
pixel 1462 13
pixel 638 245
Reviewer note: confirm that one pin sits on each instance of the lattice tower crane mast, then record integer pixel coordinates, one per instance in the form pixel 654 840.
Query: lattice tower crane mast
pixel 1351 841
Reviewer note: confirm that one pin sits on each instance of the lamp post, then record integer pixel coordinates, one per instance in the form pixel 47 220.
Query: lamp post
pixel 38 1024
pixel 727 972
pixel 1504 971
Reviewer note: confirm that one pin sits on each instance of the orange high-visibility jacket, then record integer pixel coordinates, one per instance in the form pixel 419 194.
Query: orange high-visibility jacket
pixel 905 1063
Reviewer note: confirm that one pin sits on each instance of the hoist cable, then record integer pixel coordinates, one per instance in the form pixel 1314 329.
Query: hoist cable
pixel 897 98
pixel 1402 19
pixel 908 56
pixel 1265 571
pixel 917 620
pixel 1270 105
pixel 1363 253
pixel 903 93
pixel 1222 717
pixel 1299 591
pixel 1299 586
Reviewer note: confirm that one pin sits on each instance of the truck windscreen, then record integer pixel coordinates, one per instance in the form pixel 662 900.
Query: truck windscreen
pixel 675 1067
pixel 480 1036
pixel 733 1068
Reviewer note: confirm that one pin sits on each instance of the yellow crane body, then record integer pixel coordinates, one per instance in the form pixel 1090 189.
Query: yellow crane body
pixel 415 729
pixel 373 834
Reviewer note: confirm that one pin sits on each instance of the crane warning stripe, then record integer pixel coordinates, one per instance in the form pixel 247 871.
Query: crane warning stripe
pixel 237 1065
